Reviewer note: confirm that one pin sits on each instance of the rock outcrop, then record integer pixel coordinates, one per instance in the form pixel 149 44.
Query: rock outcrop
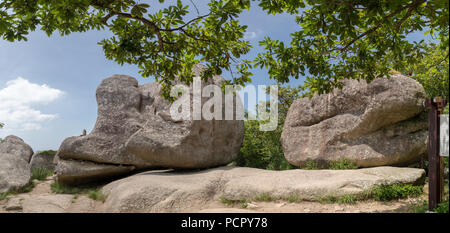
pixel 43 159
pixel 175 191
pixel 134 131
pixel 373 124
pixel 15 171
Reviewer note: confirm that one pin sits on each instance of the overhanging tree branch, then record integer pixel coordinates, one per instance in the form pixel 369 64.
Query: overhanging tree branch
pixel 410 6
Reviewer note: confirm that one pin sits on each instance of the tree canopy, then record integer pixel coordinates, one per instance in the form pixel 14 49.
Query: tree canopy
pixel 362 39
pixel 432 71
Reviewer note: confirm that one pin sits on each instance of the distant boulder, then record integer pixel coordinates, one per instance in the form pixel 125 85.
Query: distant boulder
pixel 43 159
pixel 370 124
pixel 15 169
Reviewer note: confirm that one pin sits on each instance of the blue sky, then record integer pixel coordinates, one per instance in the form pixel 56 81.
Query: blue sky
pixel 52 80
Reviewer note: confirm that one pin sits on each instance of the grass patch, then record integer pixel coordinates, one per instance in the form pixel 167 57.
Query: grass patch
pixel 265 197
pixel 60 188
pixel 39 173
pixel 345 199
pixel 229 202
pixel 48 152
pixel 92 192
pixel 422 207
pixel 97 195
pixel 377 193
pixel 311 165
pixel 442 208
pixel 293 198
pixel 340 164
pixel 395 192
pixel 4 196
pixel 25 189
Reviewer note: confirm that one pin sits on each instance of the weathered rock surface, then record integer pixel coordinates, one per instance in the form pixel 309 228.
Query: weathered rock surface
pixel 134 131
pixel 77 172
pixel 43 159
pixel 374 124
pixel 175 191
pixel 15 156
pixel 184 144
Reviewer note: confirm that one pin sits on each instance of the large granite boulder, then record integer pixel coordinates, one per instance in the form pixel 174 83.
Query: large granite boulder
pixel 15 156
pixel 134 131
pixel 375 124
pixel 166 142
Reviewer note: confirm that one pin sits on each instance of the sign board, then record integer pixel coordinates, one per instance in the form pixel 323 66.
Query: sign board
pixel 443 131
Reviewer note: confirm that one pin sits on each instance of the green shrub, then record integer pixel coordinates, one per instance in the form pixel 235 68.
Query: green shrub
pixel 394 192
pixel 232 202
pixel 4 196
pixel 263 149
pixel 97 195
pixel 39 173
pixel 265 197
pixel 342 164
pixel 60 188
pixel 311 165
pixel 422 207
pixel 348 199
pixel 48 152
pixel 378 193
pixel 293 198
pixel 442 208
pixel 25 189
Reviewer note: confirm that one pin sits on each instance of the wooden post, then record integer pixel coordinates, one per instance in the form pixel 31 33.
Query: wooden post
pixel 441 103
pixel 433 155
pixel 435 165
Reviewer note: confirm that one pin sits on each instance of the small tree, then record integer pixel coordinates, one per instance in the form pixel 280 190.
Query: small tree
pixel 263 149
pixel 432 71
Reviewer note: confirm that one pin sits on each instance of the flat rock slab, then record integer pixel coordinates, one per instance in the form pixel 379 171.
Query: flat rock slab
pixel 175 191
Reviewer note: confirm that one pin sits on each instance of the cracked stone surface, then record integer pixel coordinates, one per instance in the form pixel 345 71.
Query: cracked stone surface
pixel 175 191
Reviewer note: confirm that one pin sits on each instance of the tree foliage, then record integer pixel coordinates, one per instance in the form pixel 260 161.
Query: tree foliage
pixel 262 149
pixel 360 39
pixel 164 43
pixel 432 71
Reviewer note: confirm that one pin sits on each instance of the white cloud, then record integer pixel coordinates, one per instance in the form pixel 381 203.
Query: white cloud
pixel 253 34
pixel 17 102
